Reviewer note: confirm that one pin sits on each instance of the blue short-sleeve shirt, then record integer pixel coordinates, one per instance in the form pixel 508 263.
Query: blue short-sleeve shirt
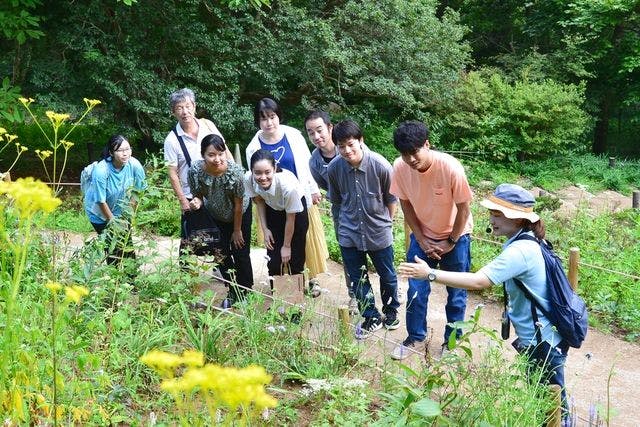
pixel 113 187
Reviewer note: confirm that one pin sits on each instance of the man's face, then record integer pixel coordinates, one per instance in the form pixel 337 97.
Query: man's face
pixel 351 150
pixel 184 111
pixel 319 134
pixel 420 159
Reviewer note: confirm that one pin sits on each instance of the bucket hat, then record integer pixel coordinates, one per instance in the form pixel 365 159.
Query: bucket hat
pixel 513 201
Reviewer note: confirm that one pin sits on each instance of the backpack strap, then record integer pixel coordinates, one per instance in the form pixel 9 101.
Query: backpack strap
pixel 187 157
pixel 534 302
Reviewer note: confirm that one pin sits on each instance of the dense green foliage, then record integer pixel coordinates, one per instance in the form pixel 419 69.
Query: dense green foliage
pixel 514 121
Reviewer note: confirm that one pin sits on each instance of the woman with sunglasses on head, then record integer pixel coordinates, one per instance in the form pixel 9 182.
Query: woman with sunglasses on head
pixel 110 196
pixel 217 184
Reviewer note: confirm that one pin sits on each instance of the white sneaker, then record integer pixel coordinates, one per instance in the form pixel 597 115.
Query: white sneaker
pixel 408 348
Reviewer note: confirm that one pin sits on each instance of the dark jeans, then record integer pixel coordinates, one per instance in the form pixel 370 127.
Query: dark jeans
pixel 117 242
pixel 550 361
pixel 238 259
pixel 356 263
pixel 459 259
pixel 275 222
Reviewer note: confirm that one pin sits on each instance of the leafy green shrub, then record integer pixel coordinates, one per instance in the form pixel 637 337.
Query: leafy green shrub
pixel 512 122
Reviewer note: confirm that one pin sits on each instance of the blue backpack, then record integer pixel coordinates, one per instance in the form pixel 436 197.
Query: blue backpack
pixel 567 311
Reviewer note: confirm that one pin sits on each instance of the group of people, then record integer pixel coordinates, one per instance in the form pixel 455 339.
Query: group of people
pixel 284 180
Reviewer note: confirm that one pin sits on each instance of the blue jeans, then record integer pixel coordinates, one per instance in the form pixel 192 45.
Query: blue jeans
pixel 459 259
pixel 355 262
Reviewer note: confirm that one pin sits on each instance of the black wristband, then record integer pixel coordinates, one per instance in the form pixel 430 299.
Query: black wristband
pixel 450 240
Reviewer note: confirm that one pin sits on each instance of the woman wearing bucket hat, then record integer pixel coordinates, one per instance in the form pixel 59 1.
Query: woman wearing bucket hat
pixel 511 214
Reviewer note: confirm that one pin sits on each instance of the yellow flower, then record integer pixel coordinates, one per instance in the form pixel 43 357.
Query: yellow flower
pixel 10 137
pixel 44 154
pixel 29 196
pixel 76 292
pixel 57 119
pixel 25 101
pixel 2 131
pixel 164 363
pixel 53 286
pixel 192 358
pixel 91 102
pixel 20 148
pixel 66 144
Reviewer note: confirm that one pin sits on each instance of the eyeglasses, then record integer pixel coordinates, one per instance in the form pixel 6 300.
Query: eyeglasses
pixel 123 150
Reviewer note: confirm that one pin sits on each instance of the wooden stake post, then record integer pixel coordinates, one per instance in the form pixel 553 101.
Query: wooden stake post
pixel 343 317
pixel 574 259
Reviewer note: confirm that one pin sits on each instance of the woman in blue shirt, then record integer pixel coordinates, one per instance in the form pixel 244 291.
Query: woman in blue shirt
pixel 511 214
pixel 109 196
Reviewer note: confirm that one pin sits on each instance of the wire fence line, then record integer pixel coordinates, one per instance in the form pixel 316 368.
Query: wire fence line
pixel 398 218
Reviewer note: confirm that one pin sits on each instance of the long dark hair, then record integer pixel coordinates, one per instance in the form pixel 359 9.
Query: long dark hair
pixel 113 144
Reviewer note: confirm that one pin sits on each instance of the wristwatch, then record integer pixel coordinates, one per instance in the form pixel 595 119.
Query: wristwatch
pixel 451 240
pixel 431 276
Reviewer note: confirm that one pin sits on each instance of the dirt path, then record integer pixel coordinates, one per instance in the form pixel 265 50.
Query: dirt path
pixel 587 369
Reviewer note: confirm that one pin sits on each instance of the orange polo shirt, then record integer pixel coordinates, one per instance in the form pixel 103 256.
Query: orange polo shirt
pixel 434 193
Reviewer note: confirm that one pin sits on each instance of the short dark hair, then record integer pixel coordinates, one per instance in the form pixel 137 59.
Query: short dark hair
pixel 212 140
pixel 264 105
pixel 344 130
pixel 318 114
pixel 409 136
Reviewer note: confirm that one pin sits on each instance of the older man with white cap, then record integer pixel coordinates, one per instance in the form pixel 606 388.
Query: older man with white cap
pixel 511 214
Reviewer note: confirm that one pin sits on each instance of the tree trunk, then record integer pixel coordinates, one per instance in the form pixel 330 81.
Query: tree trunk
pixel 602 126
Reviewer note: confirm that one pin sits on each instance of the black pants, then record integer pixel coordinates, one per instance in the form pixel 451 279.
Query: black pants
pixel 238 259
pixel 122 238
pixel 276 223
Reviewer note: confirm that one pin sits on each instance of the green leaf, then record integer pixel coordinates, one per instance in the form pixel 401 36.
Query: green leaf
pixel 427 408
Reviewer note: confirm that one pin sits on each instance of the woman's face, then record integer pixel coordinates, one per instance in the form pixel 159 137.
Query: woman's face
pixel 319 134
pixel 263 172
pixel 269 122
pixel 217 160
pixel 503 226
pixel 122 155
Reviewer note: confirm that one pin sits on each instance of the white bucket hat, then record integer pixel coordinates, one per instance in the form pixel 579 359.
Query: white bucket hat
pixel 513 201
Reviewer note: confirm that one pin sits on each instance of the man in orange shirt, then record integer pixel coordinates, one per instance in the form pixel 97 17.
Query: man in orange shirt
pixel 435 198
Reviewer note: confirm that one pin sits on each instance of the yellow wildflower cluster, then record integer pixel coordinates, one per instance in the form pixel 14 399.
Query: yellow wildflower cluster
pixel 73 293
pixel 91 102
pixel 25 101
pixel 29 196
pixel 57 119
pixel 44 154
pixel 66 144
pixel 228 386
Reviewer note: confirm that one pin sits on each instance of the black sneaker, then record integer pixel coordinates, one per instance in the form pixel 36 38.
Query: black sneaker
pixel 391 323
pixel 368 327
pixel 227 303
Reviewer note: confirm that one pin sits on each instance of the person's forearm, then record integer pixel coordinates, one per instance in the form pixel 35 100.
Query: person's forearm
pixel 262 211
pixel 289 228
pixel 470 281
pixel 106 212
pixel 460 221
pixel 237 214
pixel 174 180
pixel 393 208
pixel 411 219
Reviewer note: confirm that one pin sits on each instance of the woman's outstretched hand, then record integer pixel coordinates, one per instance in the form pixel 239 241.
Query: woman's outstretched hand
pixel 416 270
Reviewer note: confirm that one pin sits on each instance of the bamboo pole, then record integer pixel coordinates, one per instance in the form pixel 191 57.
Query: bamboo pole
pixel 574 259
